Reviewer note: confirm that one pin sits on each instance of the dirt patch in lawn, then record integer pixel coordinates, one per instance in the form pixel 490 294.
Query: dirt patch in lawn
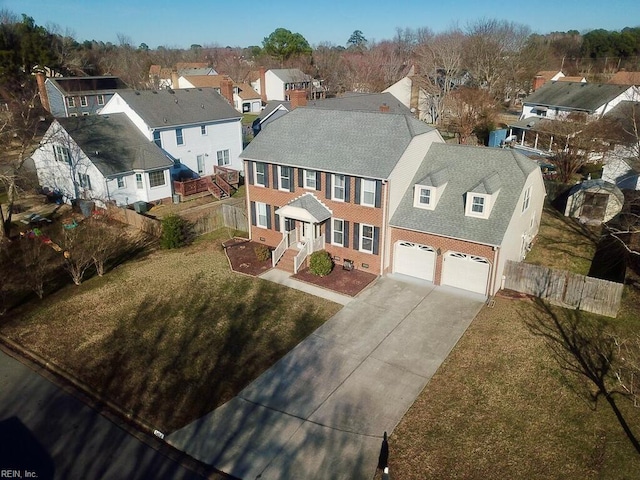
pixel 243 259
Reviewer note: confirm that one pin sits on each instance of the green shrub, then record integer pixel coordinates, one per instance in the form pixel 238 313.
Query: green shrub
pixel 320 263
pixel 262 253
pixel 175 232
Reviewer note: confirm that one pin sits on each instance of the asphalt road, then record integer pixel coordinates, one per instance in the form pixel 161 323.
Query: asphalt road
pixel 46 433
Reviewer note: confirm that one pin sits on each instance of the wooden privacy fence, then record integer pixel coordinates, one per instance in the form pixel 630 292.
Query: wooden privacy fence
pixel 565 289
pixel 130 217
pixel 223 215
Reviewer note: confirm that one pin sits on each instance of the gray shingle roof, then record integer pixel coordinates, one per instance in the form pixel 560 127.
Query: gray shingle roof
pixel 352 143
pixel 363 102
pixel 291 75
pixel 186 106
pixel 311 204
pixel 80 85
pixel 114 144
pixel 575 95
pixel 467 167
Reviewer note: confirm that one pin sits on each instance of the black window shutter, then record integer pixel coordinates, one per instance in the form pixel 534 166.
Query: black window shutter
pixel 356 236
pixel 347 188
pixel 328 185
pixel 292 187
pixel 378 193
pixel 275 176
pixel 358 187
pixel 266 175
pixel 253 213
pixel 300 177
pixel 345 235
pixel 250 171
pixel 276 219
pixel 318 181
pixel 376 239
pixel 327 231
pixel 269 216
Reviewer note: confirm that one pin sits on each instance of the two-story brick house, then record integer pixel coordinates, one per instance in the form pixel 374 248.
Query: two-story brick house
pixel 382 192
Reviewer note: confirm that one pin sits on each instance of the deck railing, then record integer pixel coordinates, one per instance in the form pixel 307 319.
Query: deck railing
pixel 231 176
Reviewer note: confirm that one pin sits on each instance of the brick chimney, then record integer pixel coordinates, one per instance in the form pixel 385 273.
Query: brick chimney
pixel 298 98
pixel 384 108
pixel 174 79
pixel 263 85
pixel 538 81
pixel 44 98
pixel 226 89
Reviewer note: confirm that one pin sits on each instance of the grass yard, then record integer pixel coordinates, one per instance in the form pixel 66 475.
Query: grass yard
pixel 171 336
pixel 499 407
pixel 563 243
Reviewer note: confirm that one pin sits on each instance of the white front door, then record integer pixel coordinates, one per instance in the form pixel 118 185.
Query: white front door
pixel 305 232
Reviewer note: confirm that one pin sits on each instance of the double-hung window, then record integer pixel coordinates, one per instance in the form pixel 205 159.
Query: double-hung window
pixel 338 187
pixel 139 183
pixel 477 204
pixel 71 102
pixel 223 157
pixel 100 99
pixel 83 101
pixel 121 182
pixel 366 238
pixel 368 192
pixel 261 215
pixel 337 232
pixel 203 129
pixel 284 174
pixel 425 196
pixel 526 200
pixel 310 179
pixel 261 174
pixel 179 137
pixel 62 154
pixel 156 138
pixel 85 181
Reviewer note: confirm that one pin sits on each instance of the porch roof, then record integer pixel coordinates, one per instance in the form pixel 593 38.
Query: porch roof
pixel 305 208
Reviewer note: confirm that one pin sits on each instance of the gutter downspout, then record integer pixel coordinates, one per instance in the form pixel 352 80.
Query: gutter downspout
pixel 383 231
pixel 496 257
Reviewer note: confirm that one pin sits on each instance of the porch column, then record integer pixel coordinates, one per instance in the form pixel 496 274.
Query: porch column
pixel 535 142
pixel 524 134
pixel 551 143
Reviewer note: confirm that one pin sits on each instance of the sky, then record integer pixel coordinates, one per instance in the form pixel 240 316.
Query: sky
pixel 181 23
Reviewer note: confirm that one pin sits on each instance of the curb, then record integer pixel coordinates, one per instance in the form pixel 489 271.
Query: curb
pixel 108 409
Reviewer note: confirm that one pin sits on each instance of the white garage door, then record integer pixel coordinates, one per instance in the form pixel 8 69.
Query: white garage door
pixel 414 260
pixel 467 272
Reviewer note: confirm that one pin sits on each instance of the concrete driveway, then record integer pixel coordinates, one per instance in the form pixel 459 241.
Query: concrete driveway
pixel 321 411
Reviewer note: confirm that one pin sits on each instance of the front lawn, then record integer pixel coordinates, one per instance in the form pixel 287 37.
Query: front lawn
pixel 171 336
pixel 499 407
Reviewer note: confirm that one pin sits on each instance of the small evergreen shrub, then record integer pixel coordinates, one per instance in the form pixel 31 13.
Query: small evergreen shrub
pixel 174 232
pixel 320 263
pixel 262 253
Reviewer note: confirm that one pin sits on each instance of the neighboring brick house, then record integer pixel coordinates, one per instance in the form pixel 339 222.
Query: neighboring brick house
pixel 77 96
pixel 346 182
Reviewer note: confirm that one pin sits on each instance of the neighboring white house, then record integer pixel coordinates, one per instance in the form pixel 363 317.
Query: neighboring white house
pixel 243 98
pixel 102 158
pixel 196 127
pixel 415 93
pixel 276 84
pixel 559 99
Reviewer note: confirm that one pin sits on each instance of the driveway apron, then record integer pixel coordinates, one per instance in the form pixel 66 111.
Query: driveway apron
pixel 320 412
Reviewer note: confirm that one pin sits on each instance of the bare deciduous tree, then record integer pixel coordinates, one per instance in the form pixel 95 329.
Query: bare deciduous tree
pixel 77 253
pixel 37 260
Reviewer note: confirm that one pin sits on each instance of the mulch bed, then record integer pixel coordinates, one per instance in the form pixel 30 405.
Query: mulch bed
pixel 242 257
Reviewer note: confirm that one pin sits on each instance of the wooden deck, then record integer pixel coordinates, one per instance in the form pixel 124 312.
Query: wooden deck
pixel 223 183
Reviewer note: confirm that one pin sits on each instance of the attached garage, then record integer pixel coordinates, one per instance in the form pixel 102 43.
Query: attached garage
pixel 466 272
pixel 414 260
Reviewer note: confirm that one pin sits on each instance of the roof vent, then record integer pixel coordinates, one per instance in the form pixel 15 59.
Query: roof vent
pixel 176 100
pixel 202 105
pixel 165 119
pixel 155 92
pixel 137 92
pixel 170 90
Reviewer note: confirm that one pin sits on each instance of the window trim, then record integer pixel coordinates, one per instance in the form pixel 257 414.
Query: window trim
pixel 281 169
pixel 334 231
pixel 363 191
pixel 71 102
pixel 179 137
pixel 258 215
pixel 334 185
pixel 305 178
pixel 157 138
pixel 203 130
pixel 264 174
pixel 201 164
pixel 471 204
pixel 100 99
pixel 526 201
pixel 84 180
pixel 62 154
pixel 121 182
pixel 139 181
pixel 84 102
pixel 361 237
pixel 226 157
pixel 164 179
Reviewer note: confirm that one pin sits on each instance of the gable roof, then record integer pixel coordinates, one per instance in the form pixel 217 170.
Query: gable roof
pixel 549 74
pixel 114 144
pixel 467 167
pixel 290 75
pixel 205 81
pixel 625 78
pixel 575 95
pixel 70 85
pixel 362 102
pixel 246 91
pixel 186 106
pixel 353 143
pixel 272 106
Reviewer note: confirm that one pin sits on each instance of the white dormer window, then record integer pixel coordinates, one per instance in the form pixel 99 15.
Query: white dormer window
pixel 425 197
pixel 477 205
